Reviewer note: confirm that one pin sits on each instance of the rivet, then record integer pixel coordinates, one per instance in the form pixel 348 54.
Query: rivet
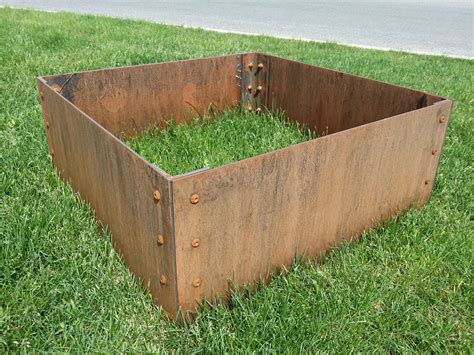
pixel 260 66
pixel 433 152
pixel 47 125
pixel 250 66
pixel 160 240
pixel 426 182
pixel 194 198
pixel 195 242
pixel 157 196
pixel 249 88
pixel 197 282
pixel 441 119
pixel 259 109
pixel 163 280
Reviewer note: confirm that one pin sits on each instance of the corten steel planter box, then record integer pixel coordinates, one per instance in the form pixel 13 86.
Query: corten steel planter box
pixel 188 236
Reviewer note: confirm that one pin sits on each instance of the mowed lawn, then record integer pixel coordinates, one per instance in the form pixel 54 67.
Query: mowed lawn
pixel 404 287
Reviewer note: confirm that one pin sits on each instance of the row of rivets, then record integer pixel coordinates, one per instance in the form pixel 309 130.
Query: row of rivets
pixel 47 127
pixel 258 89
pixel 196 242
pixel 46 124
pixel 160 240
pixel 441 120
pixel 257 110
pixel 250 87
pixel 259 66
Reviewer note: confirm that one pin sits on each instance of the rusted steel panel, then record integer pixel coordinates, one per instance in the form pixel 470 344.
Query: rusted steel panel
pixel 257 214
pixel 329 101
pixel 120 187
pixel 127 100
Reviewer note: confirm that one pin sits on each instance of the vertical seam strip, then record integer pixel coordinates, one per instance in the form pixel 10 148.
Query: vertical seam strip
pixel 267 83
pixel 241 80
pixel 173 240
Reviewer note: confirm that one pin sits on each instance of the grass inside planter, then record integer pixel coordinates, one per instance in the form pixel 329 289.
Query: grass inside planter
pixel 217 140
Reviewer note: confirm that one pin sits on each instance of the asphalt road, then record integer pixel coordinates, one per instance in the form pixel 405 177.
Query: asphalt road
pixel 425 26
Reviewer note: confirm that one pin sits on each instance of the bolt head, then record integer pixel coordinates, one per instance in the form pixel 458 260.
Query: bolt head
pixel 434 151
pixel 441 119
pixel 157 196
pixel 163 280
pixel 47 125
pixel 260 66
pixel 259 88
pixel 197 282
pixel 41 95
pixel 250 66
pixel 195 242
pixel 194 198
pixel 249 88
pixel 52 153
pixel 160 240
pixel 427 182
pixel 258 110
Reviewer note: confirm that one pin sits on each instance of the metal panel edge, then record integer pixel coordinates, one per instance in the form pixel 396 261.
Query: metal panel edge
pixel 334 71
pixel 120 186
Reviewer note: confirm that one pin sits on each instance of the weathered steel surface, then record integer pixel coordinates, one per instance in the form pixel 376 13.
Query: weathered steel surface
pixel 329 101
pixel 127 100
pixel 188 236
pixel 120 186
pixel 257 214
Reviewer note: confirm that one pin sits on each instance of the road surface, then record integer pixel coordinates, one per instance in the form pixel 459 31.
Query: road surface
pixel 423 26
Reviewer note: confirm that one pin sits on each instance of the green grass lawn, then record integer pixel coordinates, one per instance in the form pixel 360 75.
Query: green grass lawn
pixel 404 287
pixel 217 140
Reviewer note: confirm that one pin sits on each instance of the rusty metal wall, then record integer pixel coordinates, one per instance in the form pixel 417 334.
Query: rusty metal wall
pixel 127 100
pixel 241 221
pixel 328 101
pixel 121 188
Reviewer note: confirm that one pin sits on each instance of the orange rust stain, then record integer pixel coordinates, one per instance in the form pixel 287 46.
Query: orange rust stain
pixel 113 99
